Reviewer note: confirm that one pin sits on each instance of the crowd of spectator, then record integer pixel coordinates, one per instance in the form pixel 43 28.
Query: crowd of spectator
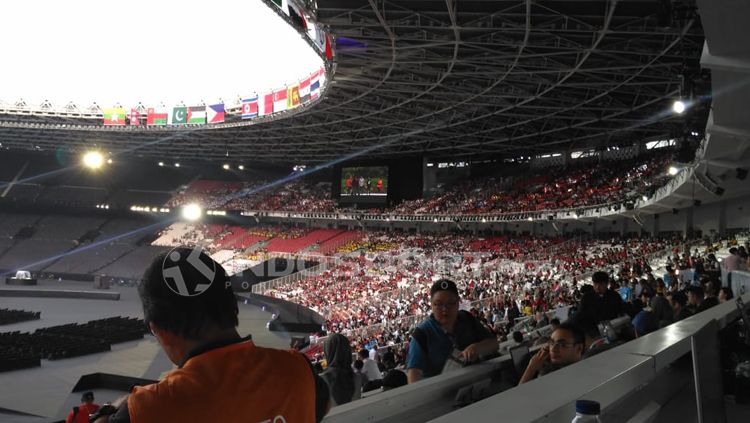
pixel 606 183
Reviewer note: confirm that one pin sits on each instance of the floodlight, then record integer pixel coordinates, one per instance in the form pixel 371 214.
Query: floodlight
pixel 176 165
pixel 192 212
pixel 225 167
pixel 673 170
pixel 93 159
pixel 161 164
pixel 241 167
pixel 109 161
pixel 679 106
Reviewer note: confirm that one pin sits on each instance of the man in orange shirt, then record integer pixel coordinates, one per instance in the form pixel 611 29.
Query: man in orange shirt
pixel 189 305
pixel 81 413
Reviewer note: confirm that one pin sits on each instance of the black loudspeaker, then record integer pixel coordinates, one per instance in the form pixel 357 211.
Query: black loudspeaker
pixel 697 203
pixel 741 173
pixel 675 211
pixel 719 191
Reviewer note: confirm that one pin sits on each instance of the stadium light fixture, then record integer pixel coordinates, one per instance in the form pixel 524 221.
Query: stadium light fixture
pixel 93 160
pixel 161 164
pixel 192 212
pixel 679 107
pixel 241 167
pixel 177 164
pixel 673 170
pixel 225 166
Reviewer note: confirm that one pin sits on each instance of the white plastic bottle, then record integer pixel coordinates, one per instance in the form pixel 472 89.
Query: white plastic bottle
pixel 587 412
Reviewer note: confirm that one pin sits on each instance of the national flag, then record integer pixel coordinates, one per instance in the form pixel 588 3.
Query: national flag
pixel 314 86
pixel 178 116
pixel 292 97
pixel 156 117
pixel 114 116
pixel 250 107
pixel 329 48
pixel 279 100
pixel 297 15
pixel 304 90
pixel 135 117
pixel 317 35
pixel 283 5
pixel 215 113
pixel 196 115
pixel 265 107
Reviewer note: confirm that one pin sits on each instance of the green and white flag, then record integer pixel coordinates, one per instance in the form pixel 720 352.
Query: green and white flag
pixel 179 116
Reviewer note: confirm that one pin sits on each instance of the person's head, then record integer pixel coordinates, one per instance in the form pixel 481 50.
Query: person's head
pixel 518 336
pixel 601 282
pixel 359 365
pixel 566 344
pixel 695 295
pixel 645 297
pixel 733 251
pixel 444 300
pixel 725 294
pixel 393 379
pixel 363 354
pixel 670 270
pixel 187 300
pixel 338 351
pixel 678 300
pixel 555 323
pixel 87 397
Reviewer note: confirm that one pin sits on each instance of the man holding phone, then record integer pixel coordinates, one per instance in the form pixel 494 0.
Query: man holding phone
pixel 565 347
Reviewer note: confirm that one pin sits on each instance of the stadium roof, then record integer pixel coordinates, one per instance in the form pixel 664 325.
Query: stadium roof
pixel 469 79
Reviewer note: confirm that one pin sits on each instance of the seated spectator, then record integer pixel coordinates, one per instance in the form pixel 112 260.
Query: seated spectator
pixel 198 333
pixel 602 303
pixel 393 379
pixel 343 382
pixel 371 371
pixel 448 332
pixel 679 300
pixel 662 310
pixel 645 322
pixel 725 294
pixel 565 347
pixel 709 299
pixel 695 298
pixel 80 414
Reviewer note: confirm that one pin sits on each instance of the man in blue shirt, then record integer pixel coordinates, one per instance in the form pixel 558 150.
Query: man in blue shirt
pixel 447 334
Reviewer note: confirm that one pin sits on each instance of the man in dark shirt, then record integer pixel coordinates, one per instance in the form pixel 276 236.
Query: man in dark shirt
pixel 603 303
pixel 449 333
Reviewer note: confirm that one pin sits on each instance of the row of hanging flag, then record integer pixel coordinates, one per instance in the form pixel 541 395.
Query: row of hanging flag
pixel 252 107
pixel 300 20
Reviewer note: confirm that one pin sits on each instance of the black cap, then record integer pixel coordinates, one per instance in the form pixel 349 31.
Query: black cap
pixel 87 396
pixel 444 285
pixel 588 407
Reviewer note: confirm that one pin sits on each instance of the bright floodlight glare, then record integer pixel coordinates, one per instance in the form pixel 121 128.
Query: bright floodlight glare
pixel 673 170
pixel 241 167
pixel 192 212
pixel 678 106
pixel 88 78
pixel 176 165
pixel 225 167
pixel 161 163
pixel 93 160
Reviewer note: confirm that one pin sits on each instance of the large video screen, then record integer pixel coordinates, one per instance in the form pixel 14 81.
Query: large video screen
pixel 364 182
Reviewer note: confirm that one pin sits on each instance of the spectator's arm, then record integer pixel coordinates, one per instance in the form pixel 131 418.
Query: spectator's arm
pixel 416 362
pixel 535 365
pixel 413 375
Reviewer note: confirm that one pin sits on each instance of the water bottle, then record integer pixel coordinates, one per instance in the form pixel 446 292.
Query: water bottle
pixel 587 412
